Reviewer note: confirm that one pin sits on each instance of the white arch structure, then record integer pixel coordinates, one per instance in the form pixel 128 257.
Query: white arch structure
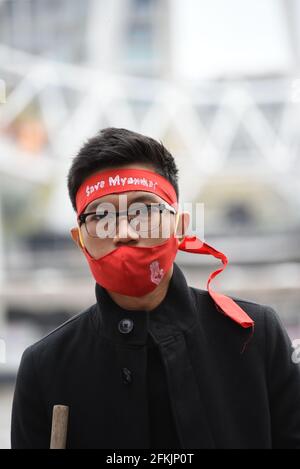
pixel 102 99
pixel 110 99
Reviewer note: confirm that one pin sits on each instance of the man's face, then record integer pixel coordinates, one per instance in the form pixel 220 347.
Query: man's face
pixel 148 223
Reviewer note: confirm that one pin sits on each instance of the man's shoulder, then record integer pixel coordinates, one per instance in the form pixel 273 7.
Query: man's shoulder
pixel 259 312
pixel 70 332
pixel 268 326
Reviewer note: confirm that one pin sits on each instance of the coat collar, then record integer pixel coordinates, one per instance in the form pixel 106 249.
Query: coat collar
pixel 175 314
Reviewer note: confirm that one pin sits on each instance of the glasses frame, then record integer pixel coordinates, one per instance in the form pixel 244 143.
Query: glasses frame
pixel 162 207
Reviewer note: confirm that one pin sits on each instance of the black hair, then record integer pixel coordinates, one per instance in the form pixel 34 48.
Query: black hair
pixel 116 147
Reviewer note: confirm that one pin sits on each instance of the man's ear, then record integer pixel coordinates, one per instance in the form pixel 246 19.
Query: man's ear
pixel 75 234
pixel 183 224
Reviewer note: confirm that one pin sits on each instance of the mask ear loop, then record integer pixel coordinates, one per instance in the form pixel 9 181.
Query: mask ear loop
pixel 80 237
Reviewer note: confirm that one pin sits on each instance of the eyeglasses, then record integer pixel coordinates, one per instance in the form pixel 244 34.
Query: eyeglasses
pixel 142 218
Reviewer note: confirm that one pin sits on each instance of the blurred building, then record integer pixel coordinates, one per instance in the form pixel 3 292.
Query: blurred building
pixel 51 28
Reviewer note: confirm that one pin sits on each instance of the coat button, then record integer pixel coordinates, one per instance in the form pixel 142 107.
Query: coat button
pixel 125 326
pixel 126 376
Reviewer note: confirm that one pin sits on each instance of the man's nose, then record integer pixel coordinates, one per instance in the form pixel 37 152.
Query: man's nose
pixel 124 232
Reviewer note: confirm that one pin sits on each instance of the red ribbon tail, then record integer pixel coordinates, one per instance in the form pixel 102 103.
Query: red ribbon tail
pixel 231 309
pixel 225 304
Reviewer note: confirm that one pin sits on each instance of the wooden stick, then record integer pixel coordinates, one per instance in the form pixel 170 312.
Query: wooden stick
pixel 59 427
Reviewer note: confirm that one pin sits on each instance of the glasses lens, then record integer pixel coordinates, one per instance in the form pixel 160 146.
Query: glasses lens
pixel 144 218
pixel 100 225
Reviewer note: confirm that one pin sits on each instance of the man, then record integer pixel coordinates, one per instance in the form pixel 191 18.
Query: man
pixel 153 363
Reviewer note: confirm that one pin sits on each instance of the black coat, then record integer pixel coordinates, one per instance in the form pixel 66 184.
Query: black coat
pixel 214 396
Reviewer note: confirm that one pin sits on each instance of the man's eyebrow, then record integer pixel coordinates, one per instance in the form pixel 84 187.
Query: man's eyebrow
pixel 92 206
pixel 144 198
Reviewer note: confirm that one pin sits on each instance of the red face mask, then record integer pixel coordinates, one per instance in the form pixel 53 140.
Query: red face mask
pixel 136 271
pixel 132 270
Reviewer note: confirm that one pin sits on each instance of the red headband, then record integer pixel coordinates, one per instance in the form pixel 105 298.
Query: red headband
pixel 123 180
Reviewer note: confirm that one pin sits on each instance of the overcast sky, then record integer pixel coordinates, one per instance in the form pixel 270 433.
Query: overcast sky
pixel 217 37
